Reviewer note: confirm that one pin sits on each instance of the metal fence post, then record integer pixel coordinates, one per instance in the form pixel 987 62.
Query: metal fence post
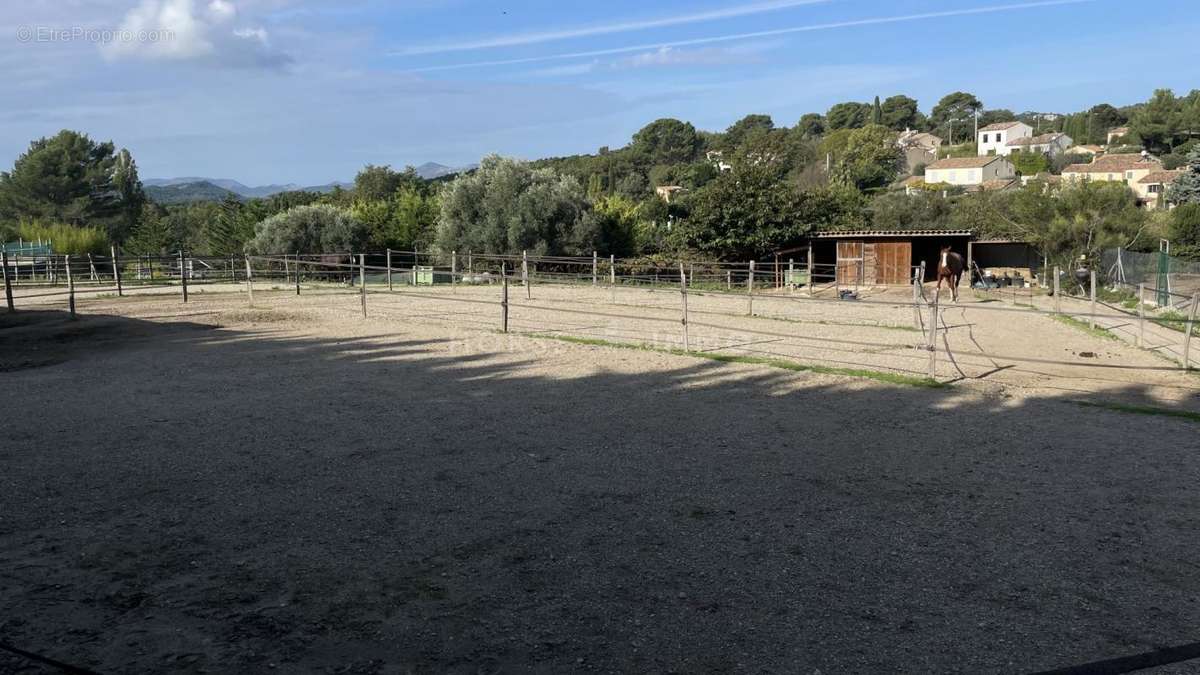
pixel 933 329
pixel 503 298
pixel 683 284
pixel 791 275
pixel 249 282
pixel 8 299
pixel 750 289
pixel 595 266
pixel 297 274
pixel 362 281
pixel 729 280
pixel 1141 316
pixel 389 269
pixel 183 275
pixel 612 276
pixel 916 299
pixel 116 261
pixel 453 270
pixel 1092 318
pixel 1187 339
pixel 70 288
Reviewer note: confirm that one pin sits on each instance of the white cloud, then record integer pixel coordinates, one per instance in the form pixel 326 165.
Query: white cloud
pixel 185 32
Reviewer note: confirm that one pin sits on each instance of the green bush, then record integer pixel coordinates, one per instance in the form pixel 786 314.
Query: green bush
pixel 65 239
pixel 320 228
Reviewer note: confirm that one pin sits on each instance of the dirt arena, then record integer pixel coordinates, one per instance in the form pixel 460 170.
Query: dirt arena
pixel 219 487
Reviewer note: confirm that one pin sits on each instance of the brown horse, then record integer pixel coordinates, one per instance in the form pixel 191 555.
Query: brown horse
pixel 950 268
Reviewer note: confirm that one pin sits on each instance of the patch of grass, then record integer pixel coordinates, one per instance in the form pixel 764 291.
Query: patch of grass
pixel 782 364
pixel 1142 410
pixel 1085 327
pixel 1171 319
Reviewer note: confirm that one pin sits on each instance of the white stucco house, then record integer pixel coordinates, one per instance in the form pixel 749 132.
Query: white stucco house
pixel 970 171
pixel 994 138
pixel 1052 144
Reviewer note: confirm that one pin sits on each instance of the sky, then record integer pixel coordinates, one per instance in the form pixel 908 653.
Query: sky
pixel 309 91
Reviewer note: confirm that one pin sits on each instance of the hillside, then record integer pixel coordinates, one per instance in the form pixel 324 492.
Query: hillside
pixel 184 193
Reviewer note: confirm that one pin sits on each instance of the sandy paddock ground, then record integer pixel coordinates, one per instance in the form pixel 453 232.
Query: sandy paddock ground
pixel 223 488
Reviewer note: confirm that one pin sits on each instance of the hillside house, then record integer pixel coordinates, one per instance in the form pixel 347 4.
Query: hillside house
pixel 1151 189
pixel 994 138
pixel 918 148
pixel 1128 168
pixel 1116 134
pixel 1052 144
pixel 970 171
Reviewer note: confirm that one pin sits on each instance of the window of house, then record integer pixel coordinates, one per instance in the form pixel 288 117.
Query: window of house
pixel 1154 189
pixel 985 136
pixel 1128 175
pixel 999 137
pixel 1112 176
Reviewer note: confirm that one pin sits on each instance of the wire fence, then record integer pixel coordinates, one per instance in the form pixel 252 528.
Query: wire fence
pixel 1171 282
pixel 591 288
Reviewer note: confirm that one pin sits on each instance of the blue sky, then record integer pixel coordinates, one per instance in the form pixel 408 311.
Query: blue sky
pixel 308 91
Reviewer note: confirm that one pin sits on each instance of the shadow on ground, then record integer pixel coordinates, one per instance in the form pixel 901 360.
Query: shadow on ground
pixel 179 498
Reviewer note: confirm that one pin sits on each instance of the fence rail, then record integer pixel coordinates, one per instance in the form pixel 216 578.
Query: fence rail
pixel 65 277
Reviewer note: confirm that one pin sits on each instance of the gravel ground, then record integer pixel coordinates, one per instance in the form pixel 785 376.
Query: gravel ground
pixel 220 488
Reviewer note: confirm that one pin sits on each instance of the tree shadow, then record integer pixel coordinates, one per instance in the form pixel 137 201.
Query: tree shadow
pixel 185 498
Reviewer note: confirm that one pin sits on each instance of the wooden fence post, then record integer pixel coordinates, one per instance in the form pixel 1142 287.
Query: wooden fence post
pixel 70 288
pixel 389 269
pixel 503 298
pixel 297 274
pixel 116 261
pixel 453 270
pixel 612 276
pixel 287 272
pixel 810 269
pixel 933 329
pixel 1187 339
pixel 1057 293
pixel 362 281
pixel 791 275
pixel 8 299
pixel 249 282
pixel 183 275
pixel 92 276
pixel 525 274
pixel 683 283
pixel 1141 316
pixel 750 289
pixel 729 280
pixel 595 267
pixel 1092 318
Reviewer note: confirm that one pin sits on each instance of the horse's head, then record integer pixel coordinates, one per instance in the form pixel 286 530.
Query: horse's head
pixel 945 249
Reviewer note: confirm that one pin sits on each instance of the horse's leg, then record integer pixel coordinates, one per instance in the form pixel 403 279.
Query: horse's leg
pixel 954 286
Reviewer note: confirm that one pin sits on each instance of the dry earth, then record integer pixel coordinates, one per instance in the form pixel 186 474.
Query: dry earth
pixel 220 488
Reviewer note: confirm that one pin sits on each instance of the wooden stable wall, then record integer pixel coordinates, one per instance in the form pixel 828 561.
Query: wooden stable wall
pixel 881 262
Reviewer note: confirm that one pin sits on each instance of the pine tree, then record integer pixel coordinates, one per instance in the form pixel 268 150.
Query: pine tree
pixel 877 113
pixel 1186 189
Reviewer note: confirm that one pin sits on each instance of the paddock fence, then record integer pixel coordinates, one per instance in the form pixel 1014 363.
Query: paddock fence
pixel 693 305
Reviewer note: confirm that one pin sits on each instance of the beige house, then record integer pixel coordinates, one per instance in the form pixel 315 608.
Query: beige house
pixel 970 171
pixel 1090 150
pixel 1128 168
pixel 918 148
pixel 1116 134
pixel 1151 189
pixel 994 139
pixel 1053 144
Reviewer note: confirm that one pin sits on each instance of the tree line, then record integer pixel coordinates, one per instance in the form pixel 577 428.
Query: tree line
pixel 672 190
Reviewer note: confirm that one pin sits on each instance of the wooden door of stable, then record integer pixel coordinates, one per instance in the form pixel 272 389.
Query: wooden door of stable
pixel 849 262
pixel 892 262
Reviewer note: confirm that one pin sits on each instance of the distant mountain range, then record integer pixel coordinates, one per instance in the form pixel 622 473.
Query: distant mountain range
pixel 198 188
